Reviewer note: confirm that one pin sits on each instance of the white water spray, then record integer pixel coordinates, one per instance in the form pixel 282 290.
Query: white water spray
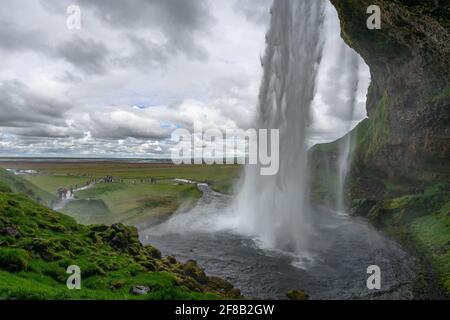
pixel 296 78
pixel 342 83
pixel 275 208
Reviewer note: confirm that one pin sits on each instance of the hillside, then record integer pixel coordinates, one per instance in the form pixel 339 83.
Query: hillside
pixel 12 182
pixel 37 245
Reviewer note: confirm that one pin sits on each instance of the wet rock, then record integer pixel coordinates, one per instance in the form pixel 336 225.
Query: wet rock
pixel 362 207
pixel 297 295
pixel 235 293
pixel 139 290
pixel 189 283
pixel 222 286
pixel 153 252
pixel 219 284
pixel 171 259
pixel 191 269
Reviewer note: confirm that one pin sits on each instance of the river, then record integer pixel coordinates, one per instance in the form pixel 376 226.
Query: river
pixel 342 247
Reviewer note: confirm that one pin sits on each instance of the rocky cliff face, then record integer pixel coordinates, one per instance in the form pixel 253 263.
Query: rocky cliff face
pixel 400 172
pixel 404 145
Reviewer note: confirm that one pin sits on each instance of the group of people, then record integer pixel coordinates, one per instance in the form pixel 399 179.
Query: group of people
pixel 108 179
pixel 64 193
pixel 111 179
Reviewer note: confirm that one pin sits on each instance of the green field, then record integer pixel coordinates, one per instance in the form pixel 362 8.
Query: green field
pixel 219 177
pixel 130 199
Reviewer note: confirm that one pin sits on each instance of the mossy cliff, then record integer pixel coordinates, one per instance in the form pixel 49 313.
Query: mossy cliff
pixel 37 245
pixel 400 170
pixel 406 138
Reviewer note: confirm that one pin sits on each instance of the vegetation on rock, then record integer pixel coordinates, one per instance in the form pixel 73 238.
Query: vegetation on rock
pixel 401 153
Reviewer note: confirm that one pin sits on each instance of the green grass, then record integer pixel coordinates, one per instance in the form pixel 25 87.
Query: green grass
pixel 25 286
pixel 421 222
pixel 34 258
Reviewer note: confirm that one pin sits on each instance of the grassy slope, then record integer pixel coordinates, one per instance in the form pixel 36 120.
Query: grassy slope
pixel 38 244
pixel 9 181
pixel 421 222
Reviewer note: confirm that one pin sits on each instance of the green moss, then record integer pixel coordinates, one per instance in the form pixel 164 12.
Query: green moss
pixel 421 222
pixel 373 133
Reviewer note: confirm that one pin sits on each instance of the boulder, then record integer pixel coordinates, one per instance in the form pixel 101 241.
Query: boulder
pixel 153 252
pixel 171 259
pixel 139 290
pixel 191 269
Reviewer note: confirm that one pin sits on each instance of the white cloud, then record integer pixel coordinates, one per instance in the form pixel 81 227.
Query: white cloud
pixel 133 73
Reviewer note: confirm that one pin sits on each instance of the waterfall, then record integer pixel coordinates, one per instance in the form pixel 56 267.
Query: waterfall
pixel 276 209
pixel 344 89
pixel 342 83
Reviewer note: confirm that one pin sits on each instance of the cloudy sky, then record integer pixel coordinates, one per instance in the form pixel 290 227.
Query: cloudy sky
pixel 132 73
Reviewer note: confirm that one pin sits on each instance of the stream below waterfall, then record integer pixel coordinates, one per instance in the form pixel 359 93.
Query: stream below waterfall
pixel 342 248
